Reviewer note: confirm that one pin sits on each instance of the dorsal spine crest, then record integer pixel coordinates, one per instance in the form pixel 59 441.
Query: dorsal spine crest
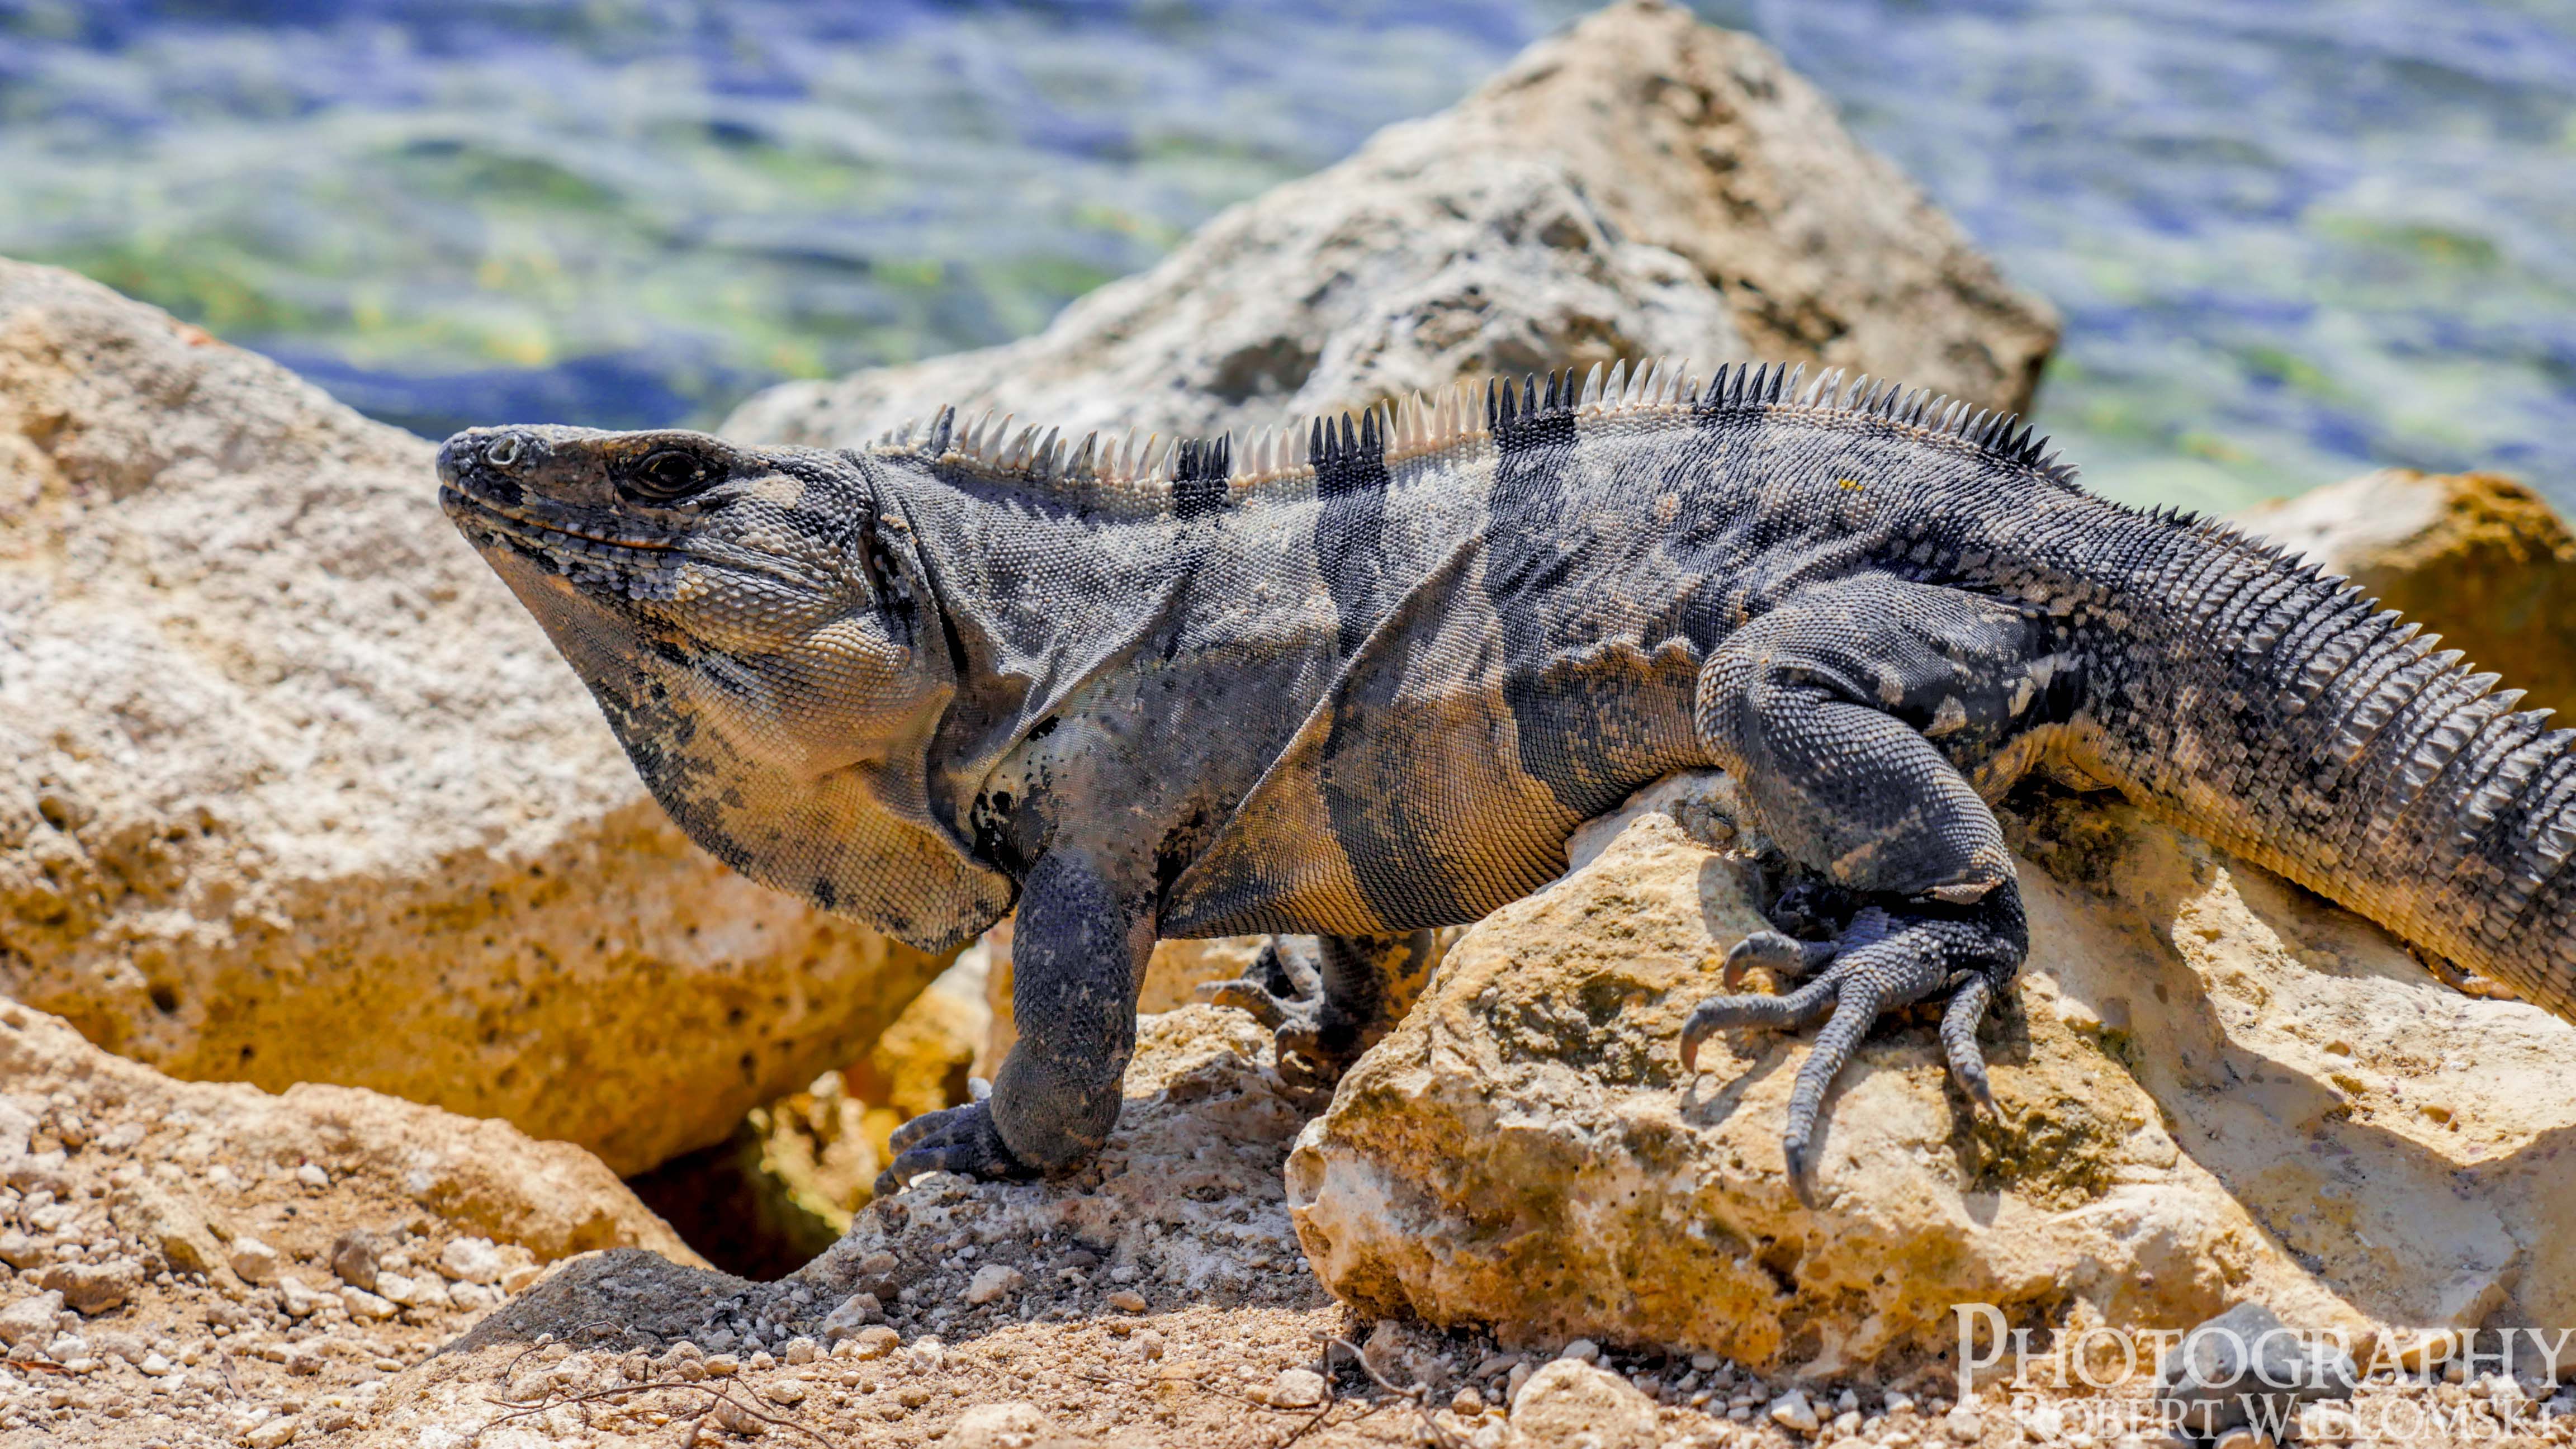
pixel 1142 474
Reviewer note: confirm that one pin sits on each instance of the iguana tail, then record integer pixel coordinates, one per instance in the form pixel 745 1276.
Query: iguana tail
pixel 2273 709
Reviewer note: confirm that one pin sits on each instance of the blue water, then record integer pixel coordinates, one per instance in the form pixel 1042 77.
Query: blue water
pixel 2291 240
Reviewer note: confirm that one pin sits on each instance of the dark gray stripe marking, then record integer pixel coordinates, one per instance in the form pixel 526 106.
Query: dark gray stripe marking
pixel 1198 477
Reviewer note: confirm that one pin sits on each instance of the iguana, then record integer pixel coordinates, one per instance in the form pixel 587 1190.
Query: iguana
pixel 1364 676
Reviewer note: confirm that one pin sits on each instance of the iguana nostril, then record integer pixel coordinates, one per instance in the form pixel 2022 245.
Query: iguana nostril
pixel 504 451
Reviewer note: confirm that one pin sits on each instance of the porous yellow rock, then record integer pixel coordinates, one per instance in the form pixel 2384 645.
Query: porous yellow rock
pixel 2216 1087
pixel 298 793
pixel 2481 558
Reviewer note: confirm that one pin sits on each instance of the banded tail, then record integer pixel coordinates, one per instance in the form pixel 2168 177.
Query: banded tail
pixel 2274 709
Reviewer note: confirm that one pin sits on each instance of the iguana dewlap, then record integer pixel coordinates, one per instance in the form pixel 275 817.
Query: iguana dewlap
pixel 1364 678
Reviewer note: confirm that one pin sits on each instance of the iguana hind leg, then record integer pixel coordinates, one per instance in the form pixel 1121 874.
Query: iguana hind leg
pixel 1828 710
pixel 1327 999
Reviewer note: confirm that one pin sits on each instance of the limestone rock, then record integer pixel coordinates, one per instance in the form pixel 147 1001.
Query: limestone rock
pixel 30 1318
pixel 1296 1388
pixel 982 1288
pixel 2480 558
pixel 93 1288
pixel 2216 1088
pixel 189 1210
pixel 1568 1403
pixel 222 1160
pixel 300 794
pixel 1643 184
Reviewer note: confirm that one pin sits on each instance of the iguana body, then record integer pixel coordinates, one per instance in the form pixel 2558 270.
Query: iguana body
pixel 1367 679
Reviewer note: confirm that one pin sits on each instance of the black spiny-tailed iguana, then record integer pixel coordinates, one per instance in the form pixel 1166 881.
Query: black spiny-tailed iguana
pixel 1365 677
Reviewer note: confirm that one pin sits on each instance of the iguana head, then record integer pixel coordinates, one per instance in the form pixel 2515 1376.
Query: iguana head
pixel 759 630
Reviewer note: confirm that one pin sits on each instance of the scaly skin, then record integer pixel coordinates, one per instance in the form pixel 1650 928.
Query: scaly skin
pixel 1365 681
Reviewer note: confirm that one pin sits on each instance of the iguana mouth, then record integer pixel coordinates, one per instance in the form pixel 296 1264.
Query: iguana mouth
pixel 617 555
pixel 548 527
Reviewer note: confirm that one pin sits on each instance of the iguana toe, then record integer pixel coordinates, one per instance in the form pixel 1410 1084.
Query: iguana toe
pixel 1283 990
pixel 1778 1013
pixel 1884 959
pixel 1779 952
pixel 962 1140
pixel 1246 996
pixel 1959 1039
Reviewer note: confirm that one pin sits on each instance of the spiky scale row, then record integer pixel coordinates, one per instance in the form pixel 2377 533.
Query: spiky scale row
pixel 1138 472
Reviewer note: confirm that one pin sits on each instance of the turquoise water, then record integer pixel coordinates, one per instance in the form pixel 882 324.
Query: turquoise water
pixel 2292 240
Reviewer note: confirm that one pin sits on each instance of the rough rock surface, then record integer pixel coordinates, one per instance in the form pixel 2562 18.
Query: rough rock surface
pixel 2481 557
pixel 1643 184
pixel 1155 1299
pixel 191 1261
pixel 301 794
pixel 2217 1087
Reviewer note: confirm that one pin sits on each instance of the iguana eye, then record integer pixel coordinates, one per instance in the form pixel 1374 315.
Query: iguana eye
pixel 669 474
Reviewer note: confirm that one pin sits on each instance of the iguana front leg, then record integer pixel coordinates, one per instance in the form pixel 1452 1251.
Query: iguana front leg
pixel 1828 710
pixel 1327 999
pixel 1078 955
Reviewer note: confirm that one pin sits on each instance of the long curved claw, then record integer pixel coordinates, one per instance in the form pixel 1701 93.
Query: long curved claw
pixel 1293 963
pixel 1283 990
pixel 957 1139
pixel 1783 954
pixel 1854 1012
pixel 1959 1040
pixel 1247 995
pixel 1779 1013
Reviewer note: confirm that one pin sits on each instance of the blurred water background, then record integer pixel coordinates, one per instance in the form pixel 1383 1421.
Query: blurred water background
pixel 2292 238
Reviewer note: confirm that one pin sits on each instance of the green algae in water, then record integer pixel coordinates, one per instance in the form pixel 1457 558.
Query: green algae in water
pixel 2292 240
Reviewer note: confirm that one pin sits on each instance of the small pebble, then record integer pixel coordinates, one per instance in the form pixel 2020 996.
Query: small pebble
pixel 474 1260
pixel 1582 1350
pixel 1297 1388
pixel 253 1261
pixel 855 1313
pixel 1791 1410
pixel 1127 1300
pixel 993 1282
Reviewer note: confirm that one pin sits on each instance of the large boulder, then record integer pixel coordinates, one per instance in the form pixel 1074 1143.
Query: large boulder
pixel 299 793
pixel 1640 185
pixel 2214 1087
pixel 2480 557
pixel 185 1257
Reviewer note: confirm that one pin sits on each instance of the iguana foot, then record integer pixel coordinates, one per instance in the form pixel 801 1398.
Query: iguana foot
pixel 957 1139
pixel 1884 959
pixel 1283 989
